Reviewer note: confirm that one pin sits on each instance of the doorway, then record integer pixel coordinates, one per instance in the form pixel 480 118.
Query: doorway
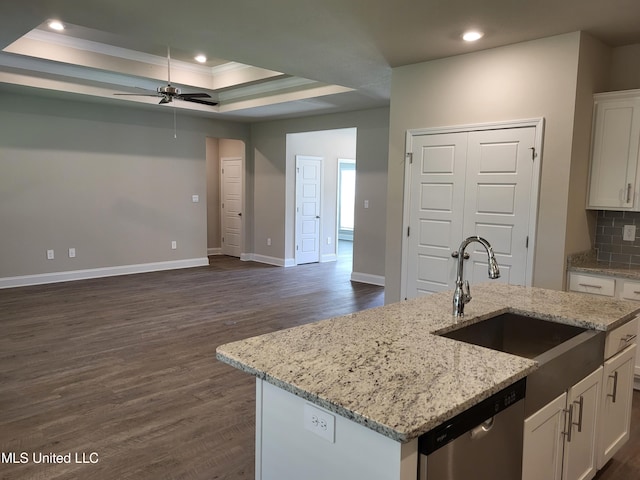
pixel 330 146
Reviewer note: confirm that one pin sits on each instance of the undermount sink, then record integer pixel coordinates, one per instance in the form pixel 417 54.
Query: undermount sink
pixel 565 353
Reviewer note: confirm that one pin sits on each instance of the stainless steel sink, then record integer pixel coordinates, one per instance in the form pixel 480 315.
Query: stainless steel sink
pixel 565 353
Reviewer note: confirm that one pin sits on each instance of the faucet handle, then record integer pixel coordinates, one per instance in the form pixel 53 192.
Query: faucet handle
pixel 466 291
pixel 456 254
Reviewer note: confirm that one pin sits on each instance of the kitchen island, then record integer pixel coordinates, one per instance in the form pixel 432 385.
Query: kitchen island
pixel 383 377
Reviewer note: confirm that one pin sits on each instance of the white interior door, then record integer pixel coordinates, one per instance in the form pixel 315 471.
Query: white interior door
pixel 497 201
pixel 308 203
pixel 231 193
pixel 436 205
pixel 469 182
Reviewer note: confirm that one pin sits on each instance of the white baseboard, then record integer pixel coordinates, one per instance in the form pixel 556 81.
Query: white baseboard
pixel 278 262
pixel 367 278
pixel 214 251
pixel 55 277
pixel 328 257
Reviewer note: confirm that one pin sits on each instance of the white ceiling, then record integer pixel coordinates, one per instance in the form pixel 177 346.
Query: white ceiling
pixel 270 58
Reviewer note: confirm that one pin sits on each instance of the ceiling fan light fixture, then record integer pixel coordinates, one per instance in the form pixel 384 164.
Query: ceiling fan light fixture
pixel 56 25
pixel 472 36
pixel 200 58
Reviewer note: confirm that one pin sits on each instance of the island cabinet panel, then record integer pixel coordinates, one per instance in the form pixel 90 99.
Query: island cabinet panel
pixel 560 438
pixel 580 453
pixel 615 401
pixel 286 450
pixel 543 442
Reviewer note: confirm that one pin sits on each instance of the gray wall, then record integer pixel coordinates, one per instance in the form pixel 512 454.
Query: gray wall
pixel 111 182
pixel 269 165
pixel 527 80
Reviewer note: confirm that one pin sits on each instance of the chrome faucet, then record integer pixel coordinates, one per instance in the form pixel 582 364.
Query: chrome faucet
pixel 462 294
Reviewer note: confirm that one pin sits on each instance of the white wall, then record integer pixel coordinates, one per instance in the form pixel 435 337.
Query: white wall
pixel 527 80
pixel 111 182
pixel 330 145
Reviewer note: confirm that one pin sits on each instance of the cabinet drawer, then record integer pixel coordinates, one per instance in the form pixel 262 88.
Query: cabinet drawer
pixel 595 285
pixel 630 290
pixel 621 338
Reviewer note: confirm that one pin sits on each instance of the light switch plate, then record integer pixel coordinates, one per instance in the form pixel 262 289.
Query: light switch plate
pixel 629 233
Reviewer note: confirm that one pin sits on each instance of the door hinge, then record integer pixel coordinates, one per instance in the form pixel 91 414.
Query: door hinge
pixel 526 243
pixel 410 157
pixel 222 204
pixel 533 153
pixel 297 248
pixel 223 171
pixel 222 239
pixel 408 231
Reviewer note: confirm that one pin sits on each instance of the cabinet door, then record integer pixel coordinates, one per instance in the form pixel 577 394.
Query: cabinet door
pixel 614 154
pixel 579 461
pixel 615 402
pixel 543 439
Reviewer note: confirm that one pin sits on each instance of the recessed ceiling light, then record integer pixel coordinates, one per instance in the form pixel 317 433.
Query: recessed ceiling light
pixel 472 36
pixel 56 25
pixel 200 58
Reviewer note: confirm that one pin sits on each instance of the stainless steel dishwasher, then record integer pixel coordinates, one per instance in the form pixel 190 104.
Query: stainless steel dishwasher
pixel 481 443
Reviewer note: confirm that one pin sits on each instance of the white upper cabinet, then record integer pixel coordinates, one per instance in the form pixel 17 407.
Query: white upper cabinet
pixel 614 181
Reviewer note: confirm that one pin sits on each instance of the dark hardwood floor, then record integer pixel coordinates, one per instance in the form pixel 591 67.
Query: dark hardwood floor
pixel 125 366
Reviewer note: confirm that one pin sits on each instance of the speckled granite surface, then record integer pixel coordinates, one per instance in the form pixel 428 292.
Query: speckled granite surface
pixel 587 262
pixel 384 367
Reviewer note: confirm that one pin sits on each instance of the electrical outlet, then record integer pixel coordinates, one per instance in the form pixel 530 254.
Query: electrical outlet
pixel 195 198
pixel 72 253
pixel 629 233
pixel 50 255
pixel 320 422
pixel 174 245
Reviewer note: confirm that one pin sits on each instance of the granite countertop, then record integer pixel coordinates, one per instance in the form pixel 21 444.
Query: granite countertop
pixel 386 368
pixel 587 262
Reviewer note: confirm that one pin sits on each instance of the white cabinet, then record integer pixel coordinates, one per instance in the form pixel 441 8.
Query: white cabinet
pixel 614 179
pixel 560 438
pixel 615 404
pixel 543 442
pixel 613 287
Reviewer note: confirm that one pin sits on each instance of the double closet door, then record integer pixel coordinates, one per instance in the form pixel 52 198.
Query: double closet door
pixel 463 184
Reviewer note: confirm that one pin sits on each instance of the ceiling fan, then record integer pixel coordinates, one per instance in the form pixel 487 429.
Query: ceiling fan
pixel 168 92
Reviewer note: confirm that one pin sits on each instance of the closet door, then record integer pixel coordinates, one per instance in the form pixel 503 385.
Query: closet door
pixel 436 204
pixel 498 195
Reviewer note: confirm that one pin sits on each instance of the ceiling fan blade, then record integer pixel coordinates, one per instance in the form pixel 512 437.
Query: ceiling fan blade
pixel 203 102
pixel 184 96
pixel 138 94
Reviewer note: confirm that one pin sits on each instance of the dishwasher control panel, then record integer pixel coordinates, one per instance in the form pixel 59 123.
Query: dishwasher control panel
pixel 471 418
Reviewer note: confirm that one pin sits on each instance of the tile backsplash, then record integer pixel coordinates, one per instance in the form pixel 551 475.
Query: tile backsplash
pixel 609 245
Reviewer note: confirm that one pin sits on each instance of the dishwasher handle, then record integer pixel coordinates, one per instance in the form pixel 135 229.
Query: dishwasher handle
pixel 483 429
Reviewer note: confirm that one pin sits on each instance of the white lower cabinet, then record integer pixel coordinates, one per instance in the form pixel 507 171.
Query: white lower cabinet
pixel 615 401
pixel 560 438
pixel 613 287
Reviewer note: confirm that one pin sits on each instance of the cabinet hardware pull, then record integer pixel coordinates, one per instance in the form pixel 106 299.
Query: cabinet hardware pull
pixel 615 387
pixel 636 292
pixel 580 403
pixel 629 337
pixel 589 285
pixel 628 192
pixel 569 411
